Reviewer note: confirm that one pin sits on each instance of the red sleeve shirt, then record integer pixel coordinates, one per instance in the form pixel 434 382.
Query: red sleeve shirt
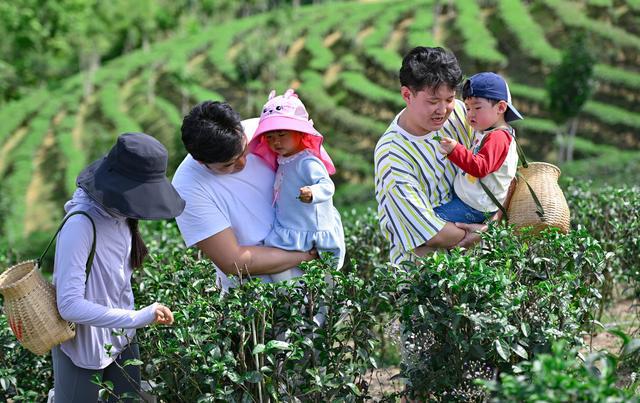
pixel 490 157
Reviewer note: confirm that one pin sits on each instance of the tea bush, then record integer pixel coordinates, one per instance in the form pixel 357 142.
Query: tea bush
pixel 262 340
pixel 611 215
pixel 366 246
pixel 466 315
pixel 470 315
pixel 561 376
pixel 23 376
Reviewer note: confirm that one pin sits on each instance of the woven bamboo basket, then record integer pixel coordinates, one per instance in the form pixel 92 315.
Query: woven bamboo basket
pixel 30 305
pixel 543 179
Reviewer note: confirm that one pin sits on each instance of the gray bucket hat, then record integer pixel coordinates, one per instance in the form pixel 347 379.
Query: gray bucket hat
pixel 131 179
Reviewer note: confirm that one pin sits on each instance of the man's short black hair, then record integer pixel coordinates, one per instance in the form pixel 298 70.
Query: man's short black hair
pixel 425 67
pixel 212 132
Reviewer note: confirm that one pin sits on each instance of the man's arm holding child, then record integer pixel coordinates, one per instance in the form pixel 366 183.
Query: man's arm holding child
pixel 225 252
pixel 461 234
pixel 202 218
pixel 449 236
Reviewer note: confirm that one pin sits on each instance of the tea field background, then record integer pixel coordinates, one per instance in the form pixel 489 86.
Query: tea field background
pixel 342 57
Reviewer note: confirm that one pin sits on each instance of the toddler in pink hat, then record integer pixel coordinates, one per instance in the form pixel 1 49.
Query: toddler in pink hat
pixel 302 192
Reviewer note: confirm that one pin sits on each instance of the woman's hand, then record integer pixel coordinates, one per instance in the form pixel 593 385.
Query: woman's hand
pixel 306 196
pixel 164 316
pixel 472 233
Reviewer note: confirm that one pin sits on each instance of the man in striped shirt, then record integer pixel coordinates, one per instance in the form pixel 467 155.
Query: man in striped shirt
pixel 411 176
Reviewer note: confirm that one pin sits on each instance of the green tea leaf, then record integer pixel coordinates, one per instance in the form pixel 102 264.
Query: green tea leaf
pixel 233 376
pixel 519 350
pixel 354 389
pixel 500 350
pixel 253 377
pixel 133 362
pixel 277 345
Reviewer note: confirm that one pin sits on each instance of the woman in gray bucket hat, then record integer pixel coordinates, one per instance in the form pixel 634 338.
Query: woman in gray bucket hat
pixel 97 250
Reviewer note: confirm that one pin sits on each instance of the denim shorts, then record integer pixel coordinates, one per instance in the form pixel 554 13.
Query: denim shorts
pixel 457 211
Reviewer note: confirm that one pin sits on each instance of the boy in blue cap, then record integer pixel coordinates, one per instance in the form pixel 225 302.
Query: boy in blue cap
pixel 488 168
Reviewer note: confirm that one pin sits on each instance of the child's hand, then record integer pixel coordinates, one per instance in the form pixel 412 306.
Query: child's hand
pixel 447 145
pixel 164 316
pixel 306 196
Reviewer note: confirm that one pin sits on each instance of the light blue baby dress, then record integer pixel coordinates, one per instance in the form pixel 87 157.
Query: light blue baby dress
pixel 303 226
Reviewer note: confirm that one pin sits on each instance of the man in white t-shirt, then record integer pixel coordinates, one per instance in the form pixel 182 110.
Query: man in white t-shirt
pixel 228 194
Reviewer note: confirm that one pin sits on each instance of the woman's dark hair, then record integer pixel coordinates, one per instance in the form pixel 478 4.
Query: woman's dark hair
pixel 139 250
pixel 212 132
pixel 425 67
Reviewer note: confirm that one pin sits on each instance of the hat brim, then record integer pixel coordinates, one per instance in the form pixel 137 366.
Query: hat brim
pixel 512 114
pixel 149 200
pixel 285 123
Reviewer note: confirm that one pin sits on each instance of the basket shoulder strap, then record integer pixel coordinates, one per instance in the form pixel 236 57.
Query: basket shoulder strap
pixel 489 193
pixel 523 160
pixel 539 209
pixel 494 199
pixel 511 131
pixel 93 245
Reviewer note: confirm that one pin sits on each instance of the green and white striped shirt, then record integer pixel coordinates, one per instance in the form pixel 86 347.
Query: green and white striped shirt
pixel 412 177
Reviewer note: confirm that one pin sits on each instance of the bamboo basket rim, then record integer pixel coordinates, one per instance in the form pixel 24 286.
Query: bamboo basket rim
pixel 22 280
pixel 541 163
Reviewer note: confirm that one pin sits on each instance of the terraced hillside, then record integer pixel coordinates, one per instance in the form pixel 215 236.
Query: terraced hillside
pixel 343 59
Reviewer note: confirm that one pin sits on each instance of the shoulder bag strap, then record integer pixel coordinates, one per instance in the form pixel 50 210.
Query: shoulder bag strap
pixel 93 245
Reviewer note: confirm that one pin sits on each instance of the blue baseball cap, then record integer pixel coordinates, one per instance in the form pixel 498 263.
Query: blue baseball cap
pixel 491 86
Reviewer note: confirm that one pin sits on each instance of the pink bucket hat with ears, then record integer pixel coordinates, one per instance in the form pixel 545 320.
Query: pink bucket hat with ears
pixel 287 112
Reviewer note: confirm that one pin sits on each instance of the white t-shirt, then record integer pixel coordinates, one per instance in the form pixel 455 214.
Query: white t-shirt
pixel 242 201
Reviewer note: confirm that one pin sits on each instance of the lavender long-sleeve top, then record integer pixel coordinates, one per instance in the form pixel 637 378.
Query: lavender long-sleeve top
pixel 103 303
